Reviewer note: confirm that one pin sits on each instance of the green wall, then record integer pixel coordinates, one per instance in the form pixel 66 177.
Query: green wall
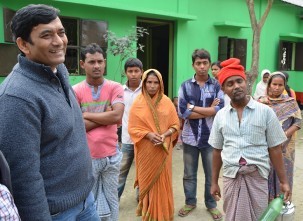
pixel 194 27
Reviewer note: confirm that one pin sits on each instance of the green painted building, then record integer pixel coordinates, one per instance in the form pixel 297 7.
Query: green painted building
pixel 176 28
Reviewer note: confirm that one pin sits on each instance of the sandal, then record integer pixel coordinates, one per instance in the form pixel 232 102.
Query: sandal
pixel 185 210
pixel 216 214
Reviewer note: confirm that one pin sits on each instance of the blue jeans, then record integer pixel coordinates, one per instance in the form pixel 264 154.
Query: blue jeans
pixel 127 160
pixel 84 211
pixel 191 160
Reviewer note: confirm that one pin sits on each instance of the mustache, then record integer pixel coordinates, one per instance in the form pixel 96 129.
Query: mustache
pixel 237 91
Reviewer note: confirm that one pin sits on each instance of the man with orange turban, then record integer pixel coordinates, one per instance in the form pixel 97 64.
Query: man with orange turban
pixel 245 136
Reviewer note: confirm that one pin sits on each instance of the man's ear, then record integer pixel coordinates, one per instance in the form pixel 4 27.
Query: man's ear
pixel 223 88
pixel 82 64
pixel 22 45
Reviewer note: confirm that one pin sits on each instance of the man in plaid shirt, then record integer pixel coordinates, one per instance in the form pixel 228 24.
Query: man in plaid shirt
pixel 8 209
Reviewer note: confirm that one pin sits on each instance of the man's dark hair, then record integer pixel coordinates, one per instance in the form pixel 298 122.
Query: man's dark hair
pixel 29 17
pixel 91 49
pixel 200 53
pixel 133 62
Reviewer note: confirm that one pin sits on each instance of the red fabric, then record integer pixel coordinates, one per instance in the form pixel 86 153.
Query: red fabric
pixel 299 96
pixel 230 67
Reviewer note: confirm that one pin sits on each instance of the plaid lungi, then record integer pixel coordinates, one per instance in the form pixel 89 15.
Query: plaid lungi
pixel 246 196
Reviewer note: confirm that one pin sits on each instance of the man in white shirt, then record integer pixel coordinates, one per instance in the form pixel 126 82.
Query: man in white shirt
pixel 133 69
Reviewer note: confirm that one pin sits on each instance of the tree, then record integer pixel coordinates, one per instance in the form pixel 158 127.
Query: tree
pixel 252 74
pixel 125 46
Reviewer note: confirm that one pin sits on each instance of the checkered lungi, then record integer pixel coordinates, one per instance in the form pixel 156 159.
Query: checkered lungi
pixel 246 196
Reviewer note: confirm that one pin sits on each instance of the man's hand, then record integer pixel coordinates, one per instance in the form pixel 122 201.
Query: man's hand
pixel 216 102
pixel 285 189
pixel 215 192
pixel 108 108
pixel 188 104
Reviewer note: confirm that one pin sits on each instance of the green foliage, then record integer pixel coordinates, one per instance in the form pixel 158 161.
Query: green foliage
pixel 127 45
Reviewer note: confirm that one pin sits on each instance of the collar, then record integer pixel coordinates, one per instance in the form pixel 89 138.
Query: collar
pixel 251 104
pixel 40 72
pixel 92 86
pixel 125 86
pixel 210 80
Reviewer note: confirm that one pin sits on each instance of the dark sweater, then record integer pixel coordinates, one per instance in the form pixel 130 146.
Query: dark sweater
pixel 42 136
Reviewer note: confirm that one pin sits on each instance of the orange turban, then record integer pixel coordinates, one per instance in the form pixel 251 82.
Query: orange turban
pixel 230 67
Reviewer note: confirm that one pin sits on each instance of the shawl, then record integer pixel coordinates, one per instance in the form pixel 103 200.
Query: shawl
pixel 284 107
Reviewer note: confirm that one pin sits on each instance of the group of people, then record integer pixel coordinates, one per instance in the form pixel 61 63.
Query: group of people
pixel 61 142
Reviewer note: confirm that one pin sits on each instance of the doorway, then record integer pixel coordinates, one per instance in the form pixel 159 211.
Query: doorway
pixel 158 49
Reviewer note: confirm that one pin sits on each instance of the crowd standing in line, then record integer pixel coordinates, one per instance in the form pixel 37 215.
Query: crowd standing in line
pixel 245 136
pixel 262 84
pixel 200 98
pixel 154 135
pixel 289 116
pixel 133 69
pixel 102 106
pixel 42 131
pixel 52 170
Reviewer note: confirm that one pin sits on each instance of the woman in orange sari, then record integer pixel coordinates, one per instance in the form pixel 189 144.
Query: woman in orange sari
pixel 153 127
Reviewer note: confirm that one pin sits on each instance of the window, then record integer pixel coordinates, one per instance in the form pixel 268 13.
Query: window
pixel 232 48
pixel 81 33
pixel 8 14
pixel 290 56
pixel 8 55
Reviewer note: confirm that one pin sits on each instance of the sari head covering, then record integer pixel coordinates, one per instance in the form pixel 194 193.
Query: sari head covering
pixel 261 86
pixel 284 106
pixel 154 101
pixel 272 76
pixel 154 114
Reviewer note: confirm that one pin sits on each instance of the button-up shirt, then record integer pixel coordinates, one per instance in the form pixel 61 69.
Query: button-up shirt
pixel 129 97
pixel 196 131
pixel 250 138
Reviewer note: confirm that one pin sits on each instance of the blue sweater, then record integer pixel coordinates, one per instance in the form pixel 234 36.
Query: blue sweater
pixel 42 136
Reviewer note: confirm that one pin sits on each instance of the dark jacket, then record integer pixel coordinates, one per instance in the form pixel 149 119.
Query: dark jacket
pixel 42 137
pixel 5 174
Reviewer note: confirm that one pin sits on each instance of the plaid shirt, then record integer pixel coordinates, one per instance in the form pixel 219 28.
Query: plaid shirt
pixel 8 209
pixel 196 131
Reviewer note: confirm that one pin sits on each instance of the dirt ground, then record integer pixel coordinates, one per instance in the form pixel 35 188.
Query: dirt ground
pixel 128 200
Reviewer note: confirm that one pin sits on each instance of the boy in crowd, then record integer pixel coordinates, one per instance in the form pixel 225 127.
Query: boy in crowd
pixel 133 69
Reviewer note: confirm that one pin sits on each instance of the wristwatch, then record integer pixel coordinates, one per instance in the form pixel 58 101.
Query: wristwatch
pixel 191 107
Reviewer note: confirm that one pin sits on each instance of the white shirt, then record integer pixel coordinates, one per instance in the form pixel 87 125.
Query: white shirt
pixel 129 97
pixel 258 130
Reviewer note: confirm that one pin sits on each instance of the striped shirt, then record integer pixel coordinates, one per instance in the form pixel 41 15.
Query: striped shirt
pixel 250 139
pixel 102 140
pixel 196 131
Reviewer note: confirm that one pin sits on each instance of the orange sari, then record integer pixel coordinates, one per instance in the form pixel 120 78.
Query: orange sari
pixel 153 163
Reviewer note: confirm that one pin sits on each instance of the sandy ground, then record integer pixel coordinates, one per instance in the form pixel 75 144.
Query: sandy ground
pixel 128 200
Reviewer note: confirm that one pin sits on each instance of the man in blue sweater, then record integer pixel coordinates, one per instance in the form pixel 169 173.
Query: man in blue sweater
pixel 42 133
